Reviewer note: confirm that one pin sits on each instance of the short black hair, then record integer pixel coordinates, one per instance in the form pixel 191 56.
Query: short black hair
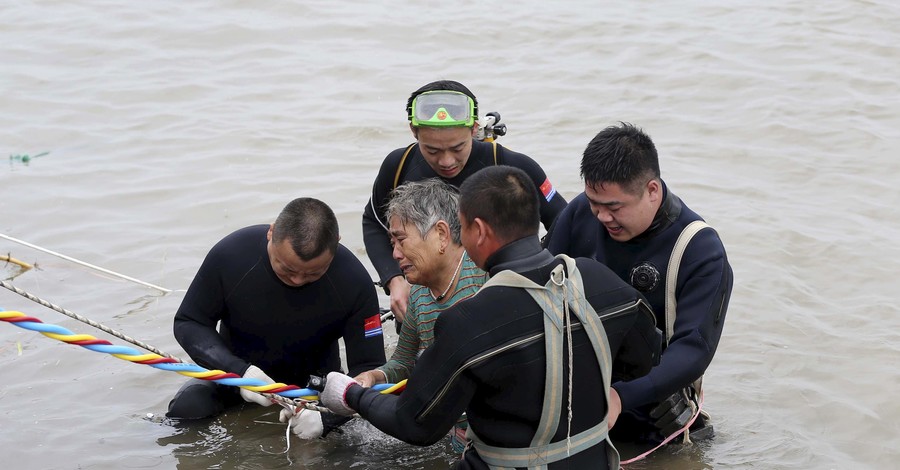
pixel 506 198
pixel 310 226
pixel 621 154
pixel 440 85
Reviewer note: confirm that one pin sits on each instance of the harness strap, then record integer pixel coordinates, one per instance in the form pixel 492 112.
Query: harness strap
pixel 696 387
pixel 499 458
pixel 400 166
pixel 558 298
pixel 672 272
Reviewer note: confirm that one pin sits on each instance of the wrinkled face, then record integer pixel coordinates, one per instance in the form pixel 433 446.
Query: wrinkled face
pixel 624 215
pixel 445 149
pixel 292 270
pixel 417 256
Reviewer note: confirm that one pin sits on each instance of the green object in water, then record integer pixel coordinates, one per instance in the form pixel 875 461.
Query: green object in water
pixel 25 158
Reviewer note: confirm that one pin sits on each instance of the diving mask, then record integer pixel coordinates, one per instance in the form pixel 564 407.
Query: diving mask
pixel 442 109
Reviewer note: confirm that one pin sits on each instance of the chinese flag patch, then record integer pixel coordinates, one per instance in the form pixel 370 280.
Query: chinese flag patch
pixel 548 190
pixel 372 326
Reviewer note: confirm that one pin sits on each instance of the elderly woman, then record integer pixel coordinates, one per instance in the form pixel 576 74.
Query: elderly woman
pixel 425 231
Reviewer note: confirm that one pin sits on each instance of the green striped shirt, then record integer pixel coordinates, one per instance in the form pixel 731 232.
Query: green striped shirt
pixel 417 332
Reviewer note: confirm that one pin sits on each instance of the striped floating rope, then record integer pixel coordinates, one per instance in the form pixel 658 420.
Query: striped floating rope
pixel 169 363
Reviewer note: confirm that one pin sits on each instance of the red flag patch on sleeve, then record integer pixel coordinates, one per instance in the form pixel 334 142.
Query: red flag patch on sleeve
pixel 548 190
pixel 372 325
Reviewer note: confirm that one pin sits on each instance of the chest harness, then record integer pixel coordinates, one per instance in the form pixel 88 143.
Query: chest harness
pixel 559 298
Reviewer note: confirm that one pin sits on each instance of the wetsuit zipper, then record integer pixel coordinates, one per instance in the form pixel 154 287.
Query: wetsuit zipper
pixel 521 342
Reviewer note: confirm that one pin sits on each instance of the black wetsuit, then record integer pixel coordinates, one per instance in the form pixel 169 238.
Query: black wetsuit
pixel 288 332
pixel 503 395
pixel 702 292
pixel 415 168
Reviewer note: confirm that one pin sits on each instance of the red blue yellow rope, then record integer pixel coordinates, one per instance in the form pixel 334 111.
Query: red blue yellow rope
pixel 157 361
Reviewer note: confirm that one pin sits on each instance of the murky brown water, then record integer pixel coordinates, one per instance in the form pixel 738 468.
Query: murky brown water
pixel 170 124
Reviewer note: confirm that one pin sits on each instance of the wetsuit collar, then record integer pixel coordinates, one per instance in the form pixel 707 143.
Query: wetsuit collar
pixel 666 215
pixel 520 255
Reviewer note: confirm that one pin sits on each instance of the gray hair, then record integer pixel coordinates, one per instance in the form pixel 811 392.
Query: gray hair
pixel 424 203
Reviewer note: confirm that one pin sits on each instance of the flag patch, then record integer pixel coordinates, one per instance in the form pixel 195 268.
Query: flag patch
pixel 548 190
pixel 372 326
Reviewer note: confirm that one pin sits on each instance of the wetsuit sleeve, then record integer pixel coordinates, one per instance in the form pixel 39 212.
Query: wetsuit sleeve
pixel 400 365
pixel 199 313
pixel 552 203
pixel 374 223
pixel 434 398
pixel 364 341
pixel 572 233
pixel 640 347
pixel 702 300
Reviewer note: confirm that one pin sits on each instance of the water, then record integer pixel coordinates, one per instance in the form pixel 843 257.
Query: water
pixel 170 124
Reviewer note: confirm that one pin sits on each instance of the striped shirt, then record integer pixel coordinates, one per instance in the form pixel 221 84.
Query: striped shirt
pixel 417 332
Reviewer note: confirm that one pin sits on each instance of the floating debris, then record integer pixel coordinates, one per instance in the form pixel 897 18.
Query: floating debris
pixel 25 158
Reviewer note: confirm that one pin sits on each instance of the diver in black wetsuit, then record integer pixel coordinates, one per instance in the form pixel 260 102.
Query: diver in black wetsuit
pixel 629 220
pixel 443 118
pixel 490 356
pixel 281 295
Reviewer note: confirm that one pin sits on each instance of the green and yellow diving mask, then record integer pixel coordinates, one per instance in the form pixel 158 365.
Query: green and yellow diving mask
pixel 442 109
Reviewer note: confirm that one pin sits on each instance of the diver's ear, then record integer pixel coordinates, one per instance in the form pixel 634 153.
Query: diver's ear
pixel 654 190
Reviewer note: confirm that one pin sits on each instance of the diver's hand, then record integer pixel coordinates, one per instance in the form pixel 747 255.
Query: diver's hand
pixel 673 413
pixel 371 377
pixel 305 424
pixel 615 408
pixel 254 372
pixel 334 395
pixel 399 290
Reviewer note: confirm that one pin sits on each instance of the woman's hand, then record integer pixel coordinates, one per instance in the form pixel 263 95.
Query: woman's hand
pixel 371 377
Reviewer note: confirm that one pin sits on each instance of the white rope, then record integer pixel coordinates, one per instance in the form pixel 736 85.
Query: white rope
pixel 87 265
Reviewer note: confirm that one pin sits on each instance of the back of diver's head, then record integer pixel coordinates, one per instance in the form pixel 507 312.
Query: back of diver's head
pixel 440 85
pixel 505 198
pixel 310 226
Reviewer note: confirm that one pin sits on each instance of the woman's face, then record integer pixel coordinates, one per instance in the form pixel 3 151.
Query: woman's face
pixel 417 255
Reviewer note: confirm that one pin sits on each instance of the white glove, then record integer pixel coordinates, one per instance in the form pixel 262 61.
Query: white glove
pixel 254 372
pixel 306 424
pixel 333 397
